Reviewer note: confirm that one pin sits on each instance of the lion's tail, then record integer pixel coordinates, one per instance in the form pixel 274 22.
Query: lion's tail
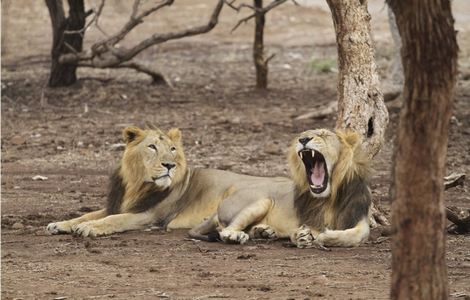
pixel 206 231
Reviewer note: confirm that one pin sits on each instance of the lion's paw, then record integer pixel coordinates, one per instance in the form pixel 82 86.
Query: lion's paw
pixel 233 237
pixel 262 231
pixel 89 229
pixel 59 227
pixel 303 237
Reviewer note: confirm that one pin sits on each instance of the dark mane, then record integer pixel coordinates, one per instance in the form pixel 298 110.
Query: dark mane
pixel 149 200
pixel 352 203
pixel 350 206
pixel 116 196
pixel 116 192
pixel 310 211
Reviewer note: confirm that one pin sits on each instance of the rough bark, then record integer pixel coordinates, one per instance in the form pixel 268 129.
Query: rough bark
pixel 64 74
pixel 360 101
pixel 429 53
pixel 5 24
pixel 396 67
pixel 258 47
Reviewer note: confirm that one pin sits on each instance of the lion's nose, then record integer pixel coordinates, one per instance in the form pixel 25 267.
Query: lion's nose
pixel 169 166
pixel 304 140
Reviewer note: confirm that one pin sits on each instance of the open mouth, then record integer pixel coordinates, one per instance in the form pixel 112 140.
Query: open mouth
pixel 315 166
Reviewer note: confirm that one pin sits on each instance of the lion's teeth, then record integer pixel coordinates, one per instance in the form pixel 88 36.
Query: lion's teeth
pixel 301 155
pixel 313 153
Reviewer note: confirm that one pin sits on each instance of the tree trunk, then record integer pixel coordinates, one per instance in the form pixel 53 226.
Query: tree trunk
pixel 396 67
pixel 261 64
pixel 65 74
pixel 429 53
pixel 5 24
pixel 360 101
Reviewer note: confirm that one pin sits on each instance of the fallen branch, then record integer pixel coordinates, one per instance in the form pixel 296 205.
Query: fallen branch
pixel 453 180
pixel 461 225
pixel 391 95
pixel 329 109
pixel 157 78
pixel 378 216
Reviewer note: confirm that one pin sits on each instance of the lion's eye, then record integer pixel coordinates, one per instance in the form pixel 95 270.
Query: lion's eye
pixel 173 149
pixel 153 147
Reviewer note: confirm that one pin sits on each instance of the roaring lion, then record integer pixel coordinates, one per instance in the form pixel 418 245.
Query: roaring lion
pixel 328 207
pixel 153 185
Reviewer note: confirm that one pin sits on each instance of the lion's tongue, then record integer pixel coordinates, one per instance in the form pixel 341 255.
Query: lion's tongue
pixel 318 174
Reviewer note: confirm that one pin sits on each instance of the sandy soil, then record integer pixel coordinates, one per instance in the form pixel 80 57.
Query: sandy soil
pixel 67 135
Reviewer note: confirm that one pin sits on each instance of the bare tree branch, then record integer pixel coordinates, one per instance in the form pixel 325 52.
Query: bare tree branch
pixel 161 38
pixel 134 20
pixel 71 48
pixel 94 20
pixel 155 8
pixel 105 54
pixel 263 11
pixel 128 54
pixel 135 9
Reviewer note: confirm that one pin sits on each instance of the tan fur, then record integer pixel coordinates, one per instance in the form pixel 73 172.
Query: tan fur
pixel 66 226
pixel 132 163
pixel 353 161
pixel 297 168
pixel 138 196
pixel 138 166
pixel 282 214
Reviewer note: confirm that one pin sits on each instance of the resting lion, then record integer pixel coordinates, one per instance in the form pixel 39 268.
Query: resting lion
pixel 329 206
pixel 153 185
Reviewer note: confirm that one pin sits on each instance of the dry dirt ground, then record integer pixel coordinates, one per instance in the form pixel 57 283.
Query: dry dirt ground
pixel 67 134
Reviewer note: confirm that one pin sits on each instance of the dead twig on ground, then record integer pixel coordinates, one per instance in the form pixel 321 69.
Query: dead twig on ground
pixel 157 78
pixel 453 180
pixel 461 221
pixel 321 112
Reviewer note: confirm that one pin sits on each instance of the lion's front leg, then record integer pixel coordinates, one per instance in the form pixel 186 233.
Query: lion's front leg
pixel 351 237
pixel 305 237
pixel 232 236
pixel 113 224
pixel 234 233
pixel 66 226
pixel 263 231
pixel 302 237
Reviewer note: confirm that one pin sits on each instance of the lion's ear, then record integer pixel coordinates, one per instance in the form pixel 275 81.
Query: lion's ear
pixel 131 133
pixel 175 135
pixel 349 137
